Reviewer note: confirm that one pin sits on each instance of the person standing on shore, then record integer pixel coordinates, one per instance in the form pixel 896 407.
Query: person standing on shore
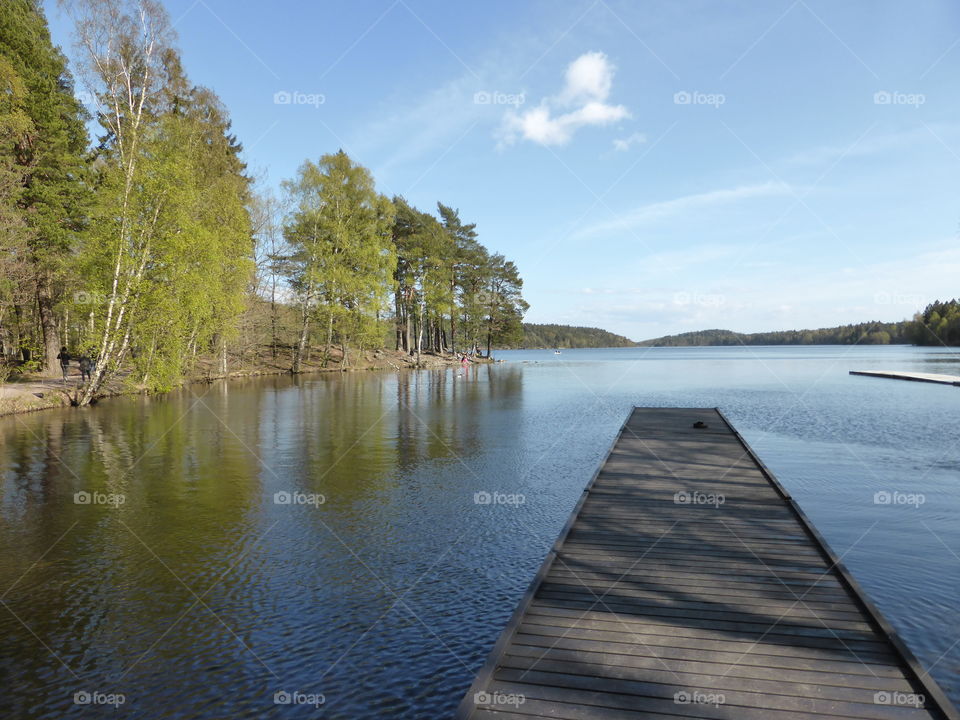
pixel 64 358
pixel 86 366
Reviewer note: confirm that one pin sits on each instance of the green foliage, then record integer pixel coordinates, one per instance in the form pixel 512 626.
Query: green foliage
pixel 568 336
pixel 504 305
pixel 450 293
pixel 870 333
pixel 341 255
pixel 44 189
pixel 150 251
pixel 938 324
pixel 51 138
pixel 167 258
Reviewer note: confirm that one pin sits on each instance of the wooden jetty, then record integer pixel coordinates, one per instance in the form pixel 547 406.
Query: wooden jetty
pixel 687 583
pixel 919 377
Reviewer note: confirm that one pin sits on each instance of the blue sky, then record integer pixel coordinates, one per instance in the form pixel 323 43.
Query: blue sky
pixel 651 167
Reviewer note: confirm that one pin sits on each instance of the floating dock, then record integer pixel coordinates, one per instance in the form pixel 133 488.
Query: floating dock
pixel 688 584
pixel 918 377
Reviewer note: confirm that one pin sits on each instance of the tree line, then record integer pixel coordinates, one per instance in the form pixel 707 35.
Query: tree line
pixel 536 335
pixel 869 333
pixel 153 246
pixel 938 324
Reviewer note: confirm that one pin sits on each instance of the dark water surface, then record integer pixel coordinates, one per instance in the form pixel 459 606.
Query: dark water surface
pixel 203 593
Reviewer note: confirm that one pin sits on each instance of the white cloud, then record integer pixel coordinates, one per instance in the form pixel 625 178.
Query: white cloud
pixel 668 208
pixel 624 144
pixel 581 102
pixel 589 77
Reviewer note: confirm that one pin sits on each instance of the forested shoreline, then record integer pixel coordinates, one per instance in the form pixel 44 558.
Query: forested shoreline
pixel 861 333
pixel 938 324
pixel 538 335
pixel 150 246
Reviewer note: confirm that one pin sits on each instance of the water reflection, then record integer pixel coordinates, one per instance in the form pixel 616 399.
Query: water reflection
pixel 193 584
pixel 200 596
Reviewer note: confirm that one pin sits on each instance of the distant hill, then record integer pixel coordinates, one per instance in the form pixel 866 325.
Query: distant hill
pixel 569 336
pixel 869 333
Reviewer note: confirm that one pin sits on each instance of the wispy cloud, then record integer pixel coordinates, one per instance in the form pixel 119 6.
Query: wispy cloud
pixel 581 102
pixel 668 208
pixel 889 143
pixel 624 144
pixel 887 291
pixel 421 129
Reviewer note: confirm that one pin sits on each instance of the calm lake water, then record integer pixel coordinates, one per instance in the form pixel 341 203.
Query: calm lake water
pixel 200 552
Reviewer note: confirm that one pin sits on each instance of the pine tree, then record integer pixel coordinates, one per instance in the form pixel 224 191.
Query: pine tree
pixel 505 305
pixel 465 250
pixel 52 194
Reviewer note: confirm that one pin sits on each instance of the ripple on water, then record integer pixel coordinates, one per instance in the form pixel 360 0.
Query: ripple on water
pixel 387 598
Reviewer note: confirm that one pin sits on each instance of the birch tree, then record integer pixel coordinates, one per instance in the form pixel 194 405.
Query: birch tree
pixel 341 256
pixel 122 44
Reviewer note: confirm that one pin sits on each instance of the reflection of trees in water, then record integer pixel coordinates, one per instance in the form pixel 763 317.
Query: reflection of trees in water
pixel 116 579
pixel 189 459
pixel 197 497
pixel 444 414
pixel 196 450
pixel 349 435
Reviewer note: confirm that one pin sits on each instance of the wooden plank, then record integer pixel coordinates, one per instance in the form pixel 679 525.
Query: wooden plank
pixel 915 376
pixel 631 645
pixel 703 629
pixel 729 624
pixel 634 691
pixel 589 699
pixel 844 651
pixel 657 590
pixel 706 670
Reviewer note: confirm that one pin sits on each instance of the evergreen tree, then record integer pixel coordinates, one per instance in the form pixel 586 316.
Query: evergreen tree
pixel 505 305
pixel 465 256
pixel 46 150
